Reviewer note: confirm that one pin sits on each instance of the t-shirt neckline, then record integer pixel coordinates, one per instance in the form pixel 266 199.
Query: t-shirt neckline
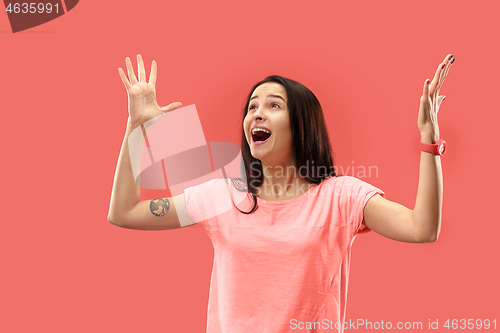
pixel 313 190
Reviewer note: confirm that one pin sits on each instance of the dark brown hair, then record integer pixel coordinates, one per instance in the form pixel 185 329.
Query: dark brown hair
pixel 309 139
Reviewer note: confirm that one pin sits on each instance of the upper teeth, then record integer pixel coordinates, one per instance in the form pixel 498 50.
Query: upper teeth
pixel 260 129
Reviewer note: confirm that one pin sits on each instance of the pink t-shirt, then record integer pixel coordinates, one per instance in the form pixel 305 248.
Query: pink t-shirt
pixel 285 267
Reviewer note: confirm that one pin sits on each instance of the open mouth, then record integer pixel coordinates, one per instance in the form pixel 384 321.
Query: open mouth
pixel 260 135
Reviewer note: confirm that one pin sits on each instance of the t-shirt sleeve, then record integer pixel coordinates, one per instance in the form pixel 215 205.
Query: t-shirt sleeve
pixel 359 193
pixel 208 200
pixel 198 199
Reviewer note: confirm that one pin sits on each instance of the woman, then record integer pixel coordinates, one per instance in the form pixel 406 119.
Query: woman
pixel 281 263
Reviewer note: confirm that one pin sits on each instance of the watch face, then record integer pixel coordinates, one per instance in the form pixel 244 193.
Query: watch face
pixel 442 148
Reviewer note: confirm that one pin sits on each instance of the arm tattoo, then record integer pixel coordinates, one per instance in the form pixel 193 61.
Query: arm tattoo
pixel 159 207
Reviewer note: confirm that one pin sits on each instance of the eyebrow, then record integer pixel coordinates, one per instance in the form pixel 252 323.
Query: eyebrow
pixel 278 96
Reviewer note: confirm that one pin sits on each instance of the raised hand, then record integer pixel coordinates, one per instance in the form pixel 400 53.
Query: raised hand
pixel 431 100
pixel 142 104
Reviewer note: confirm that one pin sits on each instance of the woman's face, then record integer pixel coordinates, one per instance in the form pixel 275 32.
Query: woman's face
pixel 268 109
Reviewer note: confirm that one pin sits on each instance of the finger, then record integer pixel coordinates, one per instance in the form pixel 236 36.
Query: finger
pixel 130 70
pixel 124 78
pixel 426 92
pixel 440 100
pixel 447 68
pixel 154 70
pixel 444 71
pixel 140 69
pixel 447 63
pixel 435 81
pixel 171 107
pixel 435 86
pixel 447 58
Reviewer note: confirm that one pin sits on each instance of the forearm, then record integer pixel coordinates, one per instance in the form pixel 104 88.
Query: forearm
pixel 125 193
pixel 428 205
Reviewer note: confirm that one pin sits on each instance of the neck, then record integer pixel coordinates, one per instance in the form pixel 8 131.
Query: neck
pixel 282 181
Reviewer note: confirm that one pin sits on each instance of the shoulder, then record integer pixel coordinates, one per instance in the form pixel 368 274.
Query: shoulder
pixel 341 179
pixel 359 190
pixel 333 180
pixel 349 187
pixel 353 182
pixel 337 183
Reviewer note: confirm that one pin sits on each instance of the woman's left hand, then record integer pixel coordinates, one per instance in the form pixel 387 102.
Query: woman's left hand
pixel 431 101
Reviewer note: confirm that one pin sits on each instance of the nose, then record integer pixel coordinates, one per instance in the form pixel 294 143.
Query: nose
pixel 258 114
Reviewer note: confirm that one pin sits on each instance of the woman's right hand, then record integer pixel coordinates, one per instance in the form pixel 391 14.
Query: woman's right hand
pixel 142 105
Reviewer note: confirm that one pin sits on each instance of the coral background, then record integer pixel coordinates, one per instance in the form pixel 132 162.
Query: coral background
pixel 65 268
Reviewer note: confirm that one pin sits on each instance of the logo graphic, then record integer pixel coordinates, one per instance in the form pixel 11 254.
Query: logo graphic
pixel 26 15
pixel 175 148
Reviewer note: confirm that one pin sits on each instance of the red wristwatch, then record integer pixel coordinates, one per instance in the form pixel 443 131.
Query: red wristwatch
pixel 437 148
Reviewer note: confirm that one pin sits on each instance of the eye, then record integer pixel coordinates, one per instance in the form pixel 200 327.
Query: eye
pixel 251 107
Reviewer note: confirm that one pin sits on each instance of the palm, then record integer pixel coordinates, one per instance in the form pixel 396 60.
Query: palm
pixel 142 104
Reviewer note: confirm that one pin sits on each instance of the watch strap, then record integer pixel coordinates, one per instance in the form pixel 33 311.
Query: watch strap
pixel 437 148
